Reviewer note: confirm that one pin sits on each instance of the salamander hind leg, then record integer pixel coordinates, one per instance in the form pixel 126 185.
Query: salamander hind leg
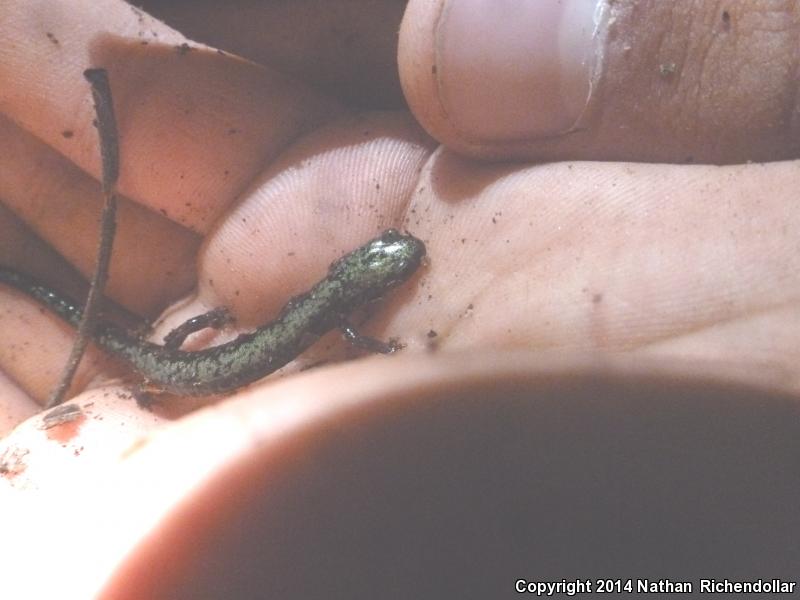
pixel 215 318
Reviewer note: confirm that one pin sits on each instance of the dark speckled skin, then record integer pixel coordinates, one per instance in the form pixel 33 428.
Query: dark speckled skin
pixel 357 278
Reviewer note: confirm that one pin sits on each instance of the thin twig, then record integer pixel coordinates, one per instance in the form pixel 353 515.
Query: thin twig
pixel 109 153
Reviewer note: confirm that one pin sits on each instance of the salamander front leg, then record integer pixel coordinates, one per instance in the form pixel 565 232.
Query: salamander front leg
pixel 367 343
pixel 147 393
pixel 144 398
pixel 215 318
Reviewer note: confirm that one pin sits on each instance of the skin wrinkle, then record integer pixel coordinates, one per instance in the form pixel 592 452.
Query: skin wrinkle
pixel 712 321
pixel 435 68
pixel 741 315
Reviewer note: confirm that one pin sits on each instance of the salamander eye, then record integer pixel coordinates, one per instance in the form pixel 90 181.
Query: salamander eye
pixel 390 235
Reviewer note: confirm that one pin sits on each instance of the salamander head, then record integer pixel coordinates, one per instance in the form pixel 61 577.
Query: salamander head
pixel 379 265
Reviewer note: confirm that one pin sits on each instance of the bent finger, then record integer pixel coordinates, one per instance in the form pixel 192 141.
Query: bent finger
pixel 590 79
pixel 195 124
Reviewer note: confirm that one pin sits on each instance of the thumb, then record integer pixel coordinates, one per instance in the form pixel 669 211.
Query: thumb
pixel 592 79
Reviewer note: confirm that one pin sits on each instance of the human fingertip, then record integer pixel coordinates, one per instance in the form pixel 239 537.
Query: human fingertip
pixel 518 71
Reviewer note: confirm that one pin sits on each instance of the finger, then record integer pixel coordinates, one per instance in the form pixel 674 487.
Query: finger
pixel 153 257
pixel 346 47
pixel 328 194
pixel 644 81
pixel 221 501
pixel 15 406
pixel 195 125
pixel 74 444
pixel 35 342
pixel 152 263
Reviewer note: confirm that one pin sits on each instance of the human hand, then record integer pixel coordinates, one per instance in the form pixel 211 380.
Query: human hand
pixel 660 260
